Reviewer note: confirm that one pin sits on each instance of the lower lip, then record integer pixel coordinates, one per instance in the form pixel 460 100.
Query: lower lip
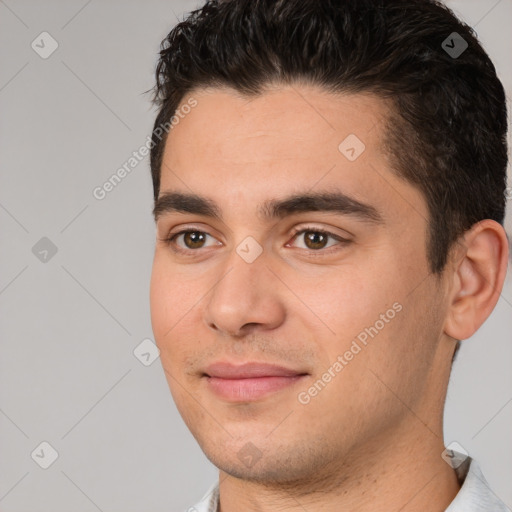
pixel 243 390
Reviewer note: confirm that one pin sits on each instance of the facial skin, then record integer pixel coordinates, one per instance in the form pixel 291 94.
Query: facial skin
pixel 372 438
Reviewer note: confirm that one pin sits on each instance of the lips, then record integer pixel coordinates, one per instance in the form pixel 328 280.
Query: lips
pixel 250 381
pixel 225 370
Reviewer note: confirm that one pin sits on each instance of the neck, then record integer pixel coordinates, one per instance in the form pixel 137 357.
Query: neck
pixel 401 470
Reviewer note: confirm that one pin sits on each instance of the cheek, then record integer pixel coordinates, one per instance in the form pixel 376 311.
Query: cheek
pixel 176 302
pixel 344 303
pixel 160 296
pixel 400 345
pixel 365 317
pixel 171 299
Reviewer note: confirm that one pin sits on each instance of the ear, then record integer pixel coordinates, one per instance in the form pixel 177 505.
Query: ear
pixel 478 276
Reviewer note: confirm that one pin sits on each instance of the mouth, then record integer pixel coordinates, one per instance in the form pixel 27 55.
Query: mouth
pixel 249 381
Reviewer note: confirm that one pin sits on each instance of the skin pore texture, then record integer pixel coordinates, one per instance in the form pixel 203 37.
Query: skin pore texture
pixel 371 438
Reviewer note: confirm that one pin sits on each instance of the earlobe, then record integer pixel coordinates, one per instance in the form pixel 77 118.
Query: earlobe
pixel 478 277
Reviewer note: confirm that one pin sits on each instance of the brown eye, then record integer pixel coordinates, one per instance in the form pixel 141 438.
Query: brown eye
pixel 194 239
pixel 189 241
pixel 315 239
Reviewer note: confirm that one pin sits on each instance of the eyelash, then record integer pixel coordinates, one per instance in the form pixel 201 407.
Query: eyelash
pixel 342 241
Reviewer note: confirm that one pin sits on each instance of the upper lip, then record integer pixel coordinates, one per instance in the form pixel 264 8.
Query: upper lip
pixel 225 370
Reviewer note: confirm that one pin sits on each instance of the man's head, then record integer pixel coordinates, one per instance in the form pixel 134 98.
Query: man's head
pixel 446 133
pixel 331 203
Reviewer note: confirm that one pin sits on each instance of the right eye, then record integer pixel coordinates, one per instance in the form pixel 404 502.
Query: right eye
pixel 189 240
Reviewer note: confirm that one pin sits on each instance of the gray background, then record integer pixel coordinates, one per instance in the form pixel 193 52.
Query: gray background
pixel 69 326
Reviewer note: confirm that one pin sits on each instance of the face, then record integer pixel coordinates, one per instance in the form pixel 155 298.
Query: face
pixel 299 248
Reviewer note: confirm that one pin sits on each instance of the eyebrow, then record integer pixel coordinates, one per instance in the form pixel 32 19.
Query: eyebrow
pixel 338 202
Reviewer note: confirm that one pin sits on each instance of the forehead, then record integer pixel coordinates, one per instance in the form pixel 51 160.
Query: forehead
pixel 244 150
pixel 295 122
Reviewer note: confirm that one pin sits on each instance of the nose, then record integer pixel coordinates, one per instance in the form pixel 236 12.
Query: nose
pixel 245 298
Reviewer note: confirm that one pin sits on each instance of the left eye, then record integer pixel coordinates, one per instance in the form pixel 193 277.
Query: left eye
pixel 316 239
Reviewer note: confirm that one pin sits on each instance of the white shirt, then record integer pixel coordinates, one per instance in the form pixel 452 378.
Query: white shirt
pixel 473 496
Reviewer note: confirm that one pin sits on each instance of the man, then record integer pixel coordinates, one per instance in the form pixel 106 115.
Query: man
pixel 329 204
